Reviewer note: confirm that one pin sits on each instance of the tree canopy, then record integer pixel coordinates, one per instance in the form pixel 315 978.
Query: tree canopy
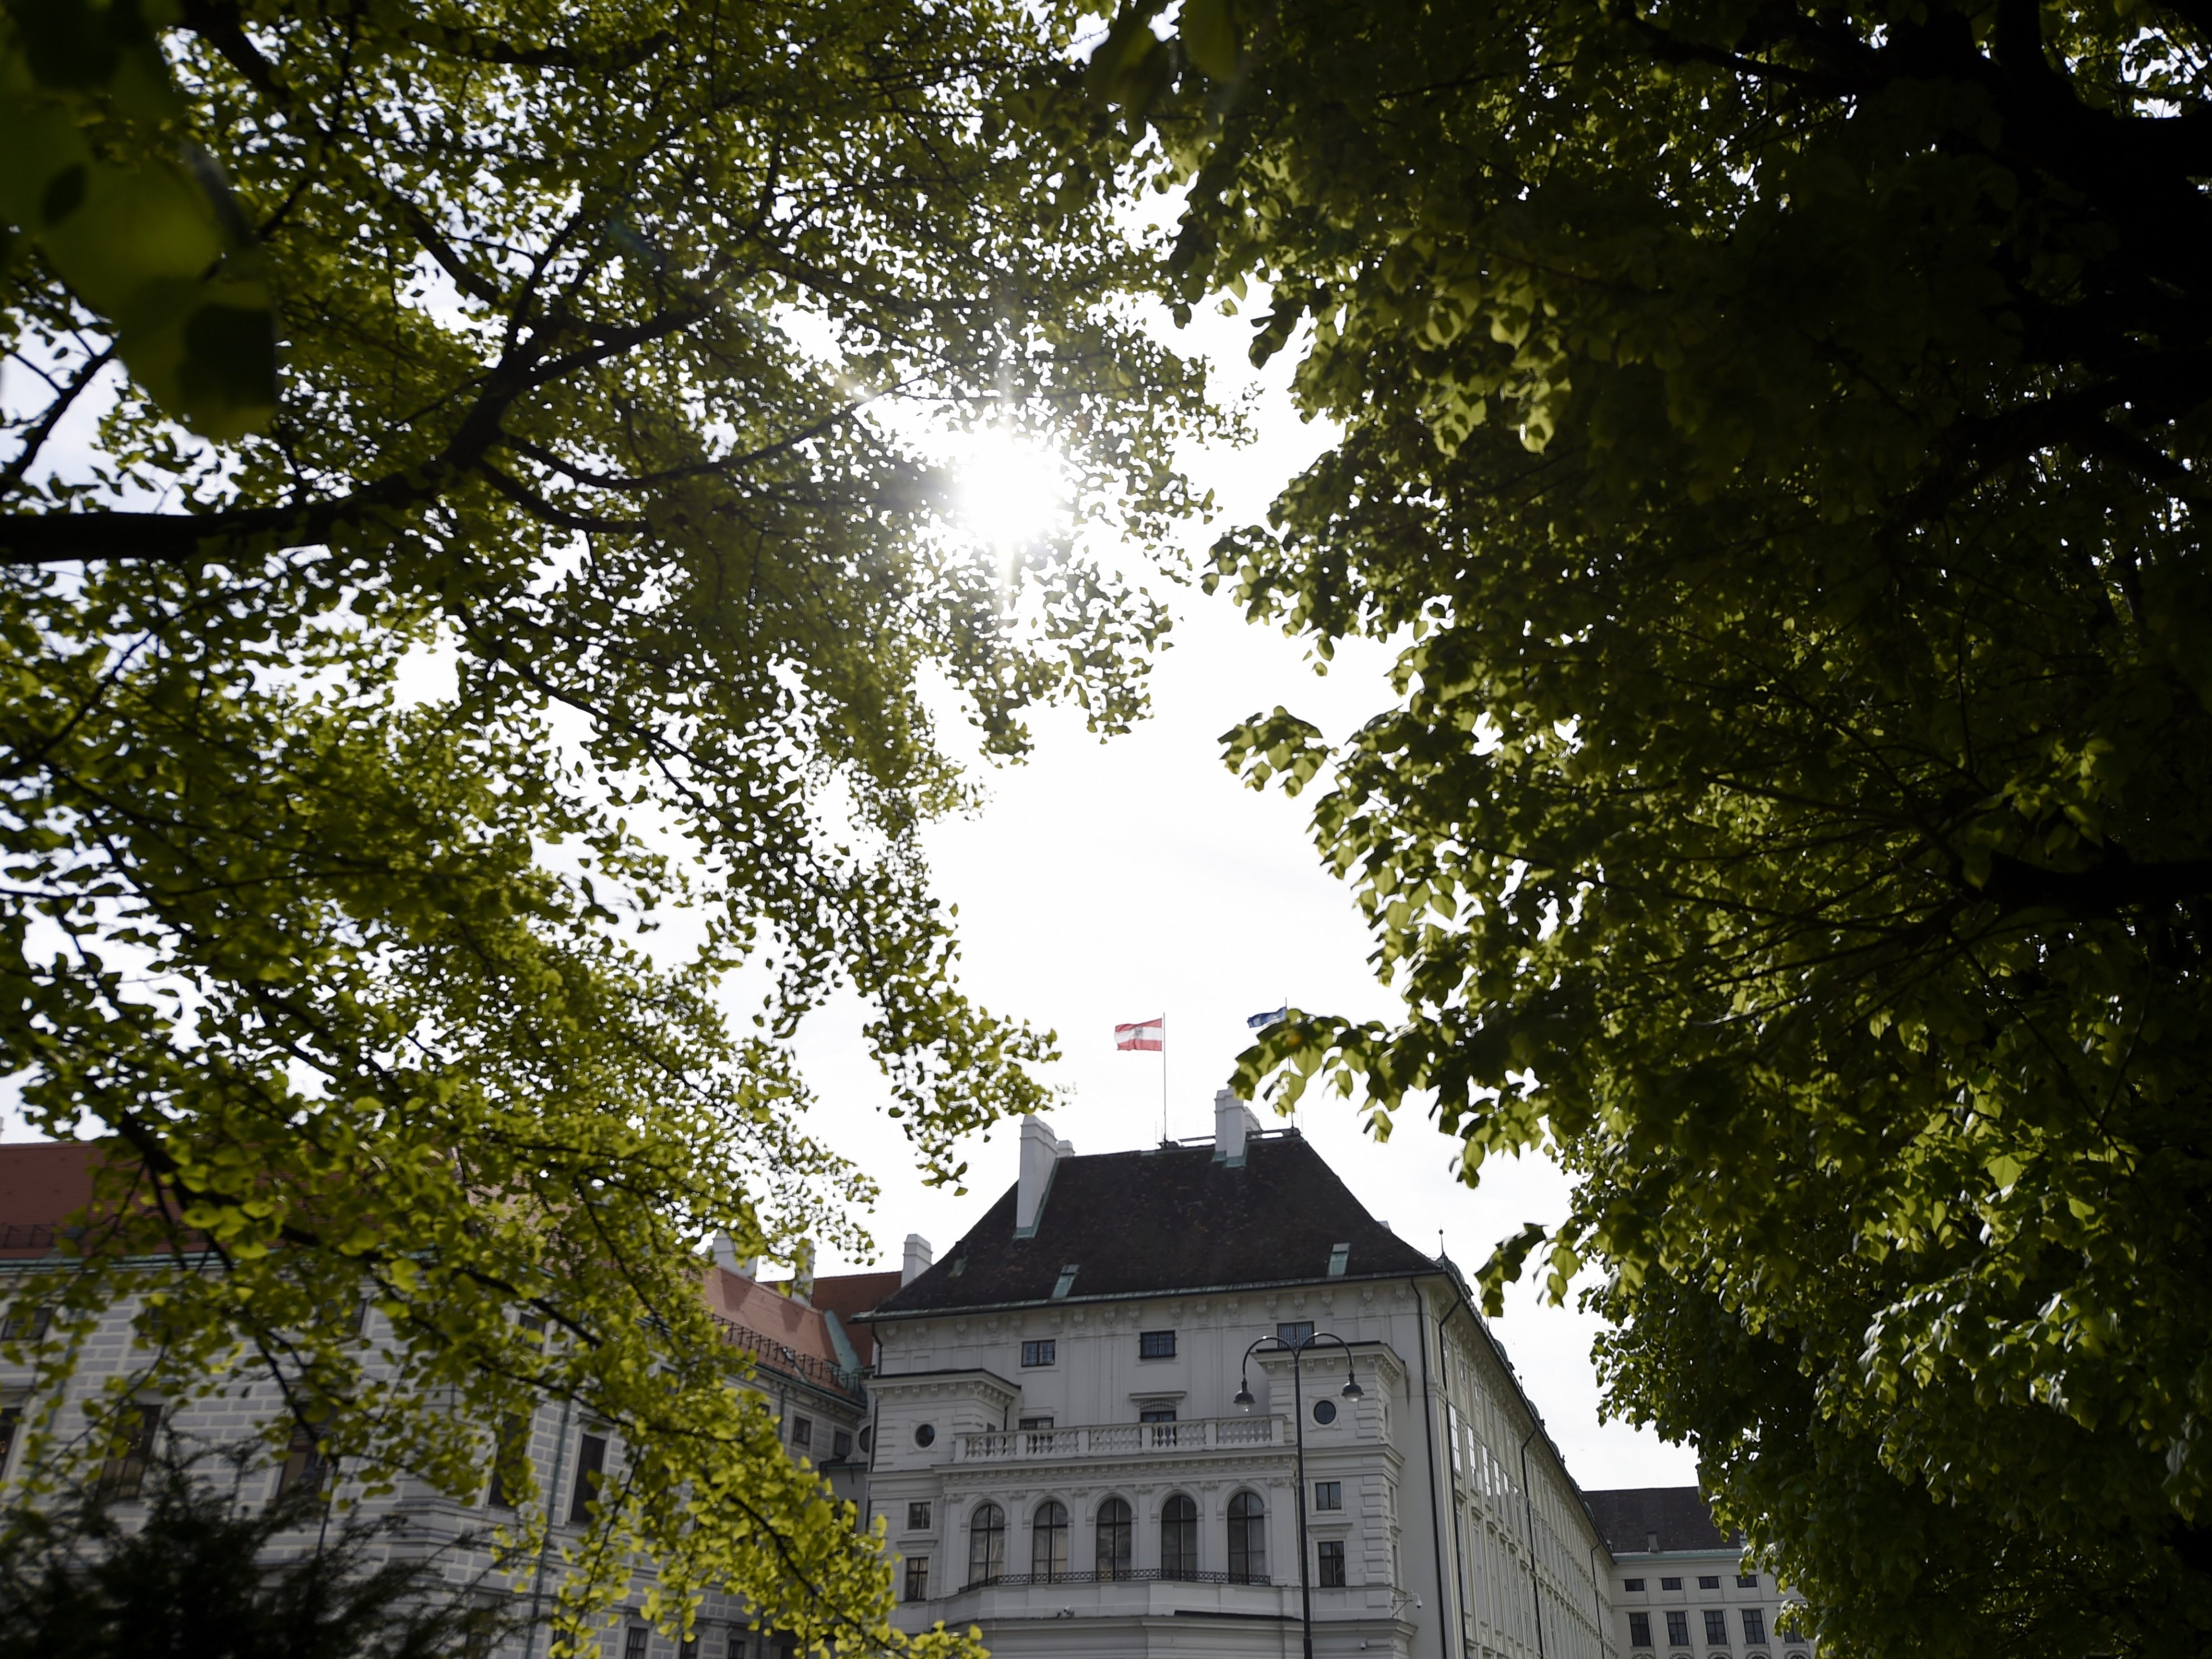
pixel 1773 436
pixel 588 572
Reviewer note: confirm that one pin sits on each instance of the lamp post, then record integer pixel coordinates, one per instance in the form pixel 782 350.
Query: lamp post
pixel 1351 1391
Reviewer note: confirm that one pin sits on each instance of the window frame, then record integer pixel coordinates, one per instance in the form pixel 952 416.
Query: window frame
pixel 123 1476
pixel 1156 1345
pixel 1329 1495
pixel 1179 1512
pixel 1716 1634
pixel 1040 1353
pixel 1048 1541
pixel 1754 1627
pixel 1283 1327
pixel 1678 1627
pixel 1639 1629
pixel 915 1587
pixel 1114 1539
pixel 591 1471
pixel 1247 1538
pixel 1329 1565
pixel 986 1544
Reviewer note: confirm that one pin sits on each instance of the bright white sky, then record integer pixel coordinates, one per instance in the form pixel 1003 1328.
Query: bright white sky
pixel 1110 883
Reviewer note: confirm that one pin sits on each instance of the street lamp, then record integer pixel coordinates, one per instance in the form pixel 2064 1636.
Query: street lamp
pixel 1351 1391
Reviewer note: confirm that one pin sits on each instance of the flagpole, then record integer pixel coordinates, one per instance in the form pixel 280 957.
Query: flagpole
pixel 1164 1077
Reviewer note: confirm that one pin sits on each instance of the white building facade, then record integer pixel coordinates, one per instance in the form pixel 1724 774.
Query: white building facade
pixel 1061 1459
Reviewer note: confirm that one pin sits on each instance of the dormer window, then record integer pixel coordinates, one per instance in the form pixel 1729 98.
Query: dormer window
pixel 1339 1256
pixel 1066 1284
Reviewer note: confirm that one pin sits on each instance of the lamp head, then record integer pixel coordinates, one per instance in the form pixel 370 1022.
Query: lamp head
pixel 1243 1396
pixel 1351 1391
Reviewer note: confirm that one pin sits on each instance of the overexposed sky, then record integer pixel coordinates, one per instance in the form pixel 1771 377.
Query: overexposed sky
pixel 1110 883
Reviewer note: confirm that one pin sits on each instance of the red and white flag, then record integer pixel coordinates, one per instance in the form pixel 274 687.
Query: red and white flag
pixel 1151 1034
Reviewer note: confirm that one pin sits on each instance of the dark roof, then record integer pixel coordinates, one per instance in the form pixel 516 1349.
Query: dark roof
pixel 1166 1220
pixel 1632 1518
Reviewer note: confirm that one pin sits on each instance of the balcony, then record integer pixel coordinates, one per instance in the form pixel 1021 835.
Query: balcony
pixel 1122 1440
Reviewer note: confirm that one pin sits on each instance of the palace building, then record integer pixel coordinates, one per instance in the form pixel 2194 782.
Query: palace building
pixel 1193 1399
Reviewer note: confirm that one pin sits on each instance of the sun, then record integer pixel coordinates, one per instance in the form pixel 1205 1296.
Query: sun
pixel 1011 490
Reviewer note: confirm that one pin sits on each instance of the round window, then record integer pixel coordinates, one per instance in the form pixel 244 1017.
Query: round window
pixel 1324 1410
pixel 925 1435
pixel 867 1439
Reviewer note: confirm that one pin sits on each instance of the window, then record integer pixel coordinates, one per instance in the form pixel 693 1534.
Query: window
pixel 1746 1581
pixel 1116 1534
pixel 688 1648
pixel 1339 1257
pixel 303 1465
pixel 734 1645
pixel 867 1440
pixel 1716 1626
pixel 11 1419
pixel 1178 1538
pixel 1040 1353
pixel 1048 1543
pixel 591 1463
pixel 1065 1283
pixel 1755 1627
pixel 1631 1583
pixel 1678 1629
pixel 802 1432
pixel 1324 1412
pixel 1670 1583
pixel 917 1516
pixel 1156 1414
pixel 1294 1332
pixel 925 1435
pixel 1034 1424
pixel 917 1579
pixel 987 1545
pixel 122 1475
pixel 840 1444
pixel 1329 1494
pixel 1330 1560
pixel 511 1447
pixel 1710 1582
pixel 25 1324
pixel 634 1642
pixel 1639 1630
pixel 1248 1540
pixel 1156 1345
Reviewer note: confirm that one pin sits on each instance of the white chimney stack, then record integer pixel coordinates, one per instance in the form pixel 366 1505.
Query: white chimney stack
pixel 727 1256
pixel 802 1273
pixel 1041 1151
pixel 919 1256
pixel 1233 1124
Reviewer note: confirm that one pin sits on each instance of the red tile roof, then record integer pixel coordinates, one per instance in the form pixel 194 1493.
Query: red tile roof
pixel 43 1184
pixel 847 1294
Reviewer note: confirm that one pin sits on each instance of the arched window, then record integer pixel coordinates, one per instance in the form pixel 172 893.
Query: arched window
pixel 1178 1538
pixel 1116 1536
pixel 1049 1543
pixel 986 1545
pixel 1248 1540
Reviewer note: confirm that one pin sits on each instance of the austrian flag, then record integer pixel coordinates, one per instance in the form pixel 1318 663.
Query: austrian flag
pixel 1149 1035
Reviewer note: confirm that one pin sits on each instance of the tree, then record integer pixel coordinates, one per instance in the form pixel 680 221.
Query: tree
pixel 1773 436
pixel 589 571
pixel 203 1573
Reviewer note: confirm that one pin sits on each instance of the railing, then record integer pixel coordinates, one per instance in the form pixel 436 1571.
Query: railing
pixel 782 1357
pixel 37 1237
pixel 1118 1576
pixel 1121 1439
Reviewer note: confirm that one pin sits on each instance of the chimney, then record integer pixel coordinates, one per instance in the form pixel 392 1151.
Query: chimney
pixel 802 1273
pixel 919 1256
pixel 727 1256
pixel 1233 1124
pixel 1041 1151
